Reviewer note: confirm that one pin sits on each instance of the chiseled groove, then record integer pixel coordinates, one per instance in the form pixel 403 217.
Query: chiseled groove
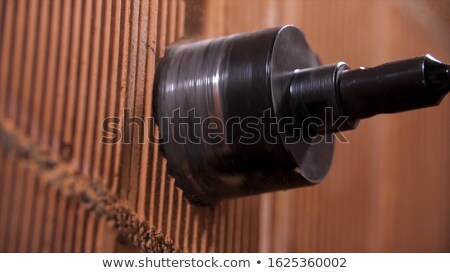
pixel 27 210
pixel 215 225
pixel 206 226
pixel 180 18
pixel 256 226
pixel 38 215
pixel 40 236
pixel 138 104
pixel 253 227
pixel 250 229
pixel 147 148
pixel 41 103
pixel 201 230
pixel 172 21
pixel 231 224
pixel 168 28
pixel 61 213
pixel 104 70
pixel 5 45
pixel 17 111
pixel 70 224
pixel 111 90
pixel 91 232
pixel 2 19
pixel 3 190
pixel 95 232
pixel 7 201
pixel 13 89
pixel 47 110
pixel 171 206
pixel 64 37
pixel 72 84
pixel 88 230
pixel 30 58
pixel 122 73
pixel 116 151
pixel 50 220
pixel 28 245
pixel 118 187
pixel 92 98
pixel 162 195
pixel 179 218
pixel 40 69
pixel 195 231
pixel 32 78
pixel 157 158
pixel 116 167
pixel 79 235
pixel 16 202
pixel 99 239
pixel 109 157
pixel 187 229
pixel 220 229
pixel 96 147
pixel 84 75
pixel 237 240
pixel 169 183
pixel 297 221
pixel 246 217
pixel 316 224
pixel 10 178
pixel 212 229
pixel 159 174
pixel 165 206
pixel 302 204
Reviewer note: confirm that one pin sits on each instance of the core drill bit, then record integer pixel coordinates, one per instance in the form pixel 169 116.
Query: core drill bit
pixel 232 89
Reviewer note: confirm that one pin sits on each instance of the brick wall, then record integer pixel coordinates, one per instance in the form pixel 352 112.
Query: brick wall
pixel 66 65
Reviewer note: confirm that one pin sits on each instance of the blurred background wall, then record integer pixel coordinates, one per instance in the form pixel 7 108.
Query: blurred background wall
pixel 66 65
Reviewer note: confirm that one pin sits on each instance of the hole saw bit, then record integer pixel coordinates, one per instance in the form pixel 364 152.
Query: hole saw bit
pixel 256 112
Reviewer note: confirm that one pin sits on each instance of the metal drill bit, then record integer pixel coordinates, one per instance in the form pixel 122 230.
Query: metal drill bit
pixel 364 92
pixel 394 87
pixel 267 98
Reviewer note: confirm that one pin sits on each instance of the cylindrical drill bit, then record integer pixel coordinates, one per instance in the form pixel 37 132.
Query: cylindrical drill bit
pixel 394 87
pixel 364 92
pixel 255 112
